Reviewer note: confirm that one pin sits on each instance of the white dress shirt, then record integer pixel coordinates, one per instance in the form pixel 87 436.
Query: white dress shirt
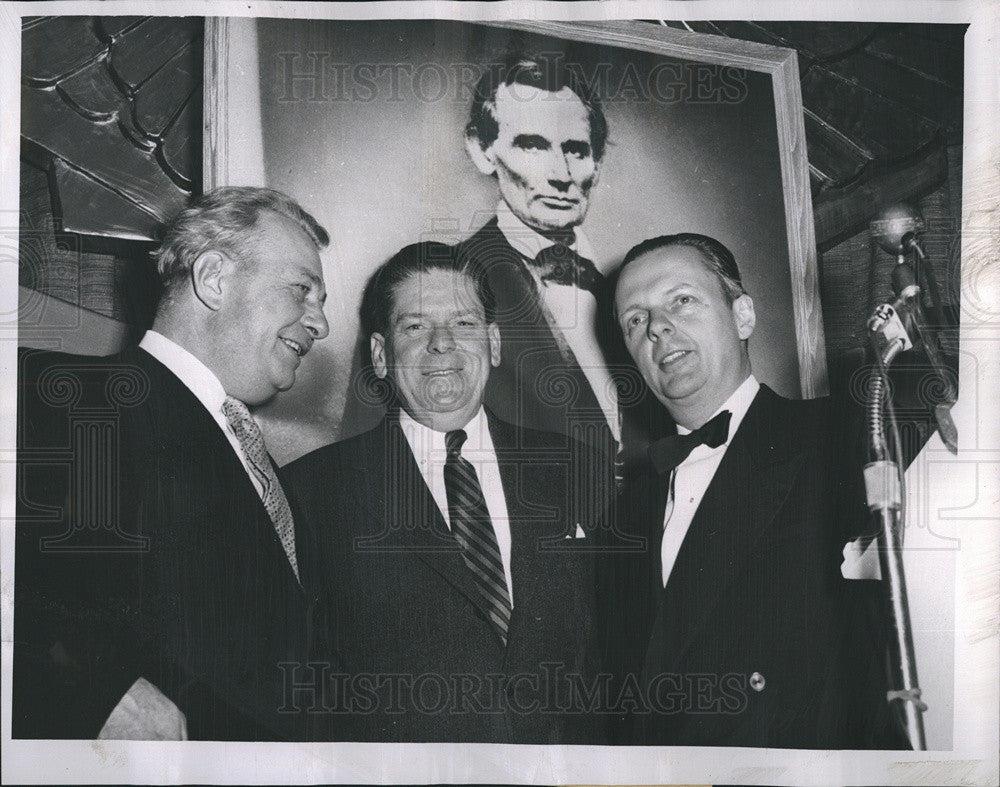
pixel 570 311
pixel 429 450
pixel 690 479
pixel 203 383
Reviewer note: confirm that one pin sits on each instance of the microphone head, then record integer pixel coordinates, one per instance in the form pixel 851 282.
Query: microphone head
pixel 895 225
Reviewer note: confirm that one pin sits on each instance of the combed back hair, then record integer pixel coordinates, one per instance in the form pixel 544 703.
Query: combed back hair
pixel 718 259
pixel 380 292
pixel 225 220
pixel 548 73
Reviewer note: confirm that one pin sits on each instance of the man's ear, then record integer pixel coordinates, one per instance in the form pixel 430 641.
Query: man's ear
pixel 484 159
pixel 494 333
pixel 744 316
pixel 378 356
pixel 207 273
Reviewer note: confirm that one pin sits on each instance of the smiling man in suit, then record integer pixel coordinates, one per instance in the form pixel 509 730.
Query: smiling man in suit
pixel 736 619
pixel 459 577
pixel 161 592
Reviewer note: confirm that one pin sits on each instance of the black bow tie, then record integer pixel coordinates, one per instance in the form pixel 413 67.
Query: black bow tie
pixel 559 264
pixel 668 452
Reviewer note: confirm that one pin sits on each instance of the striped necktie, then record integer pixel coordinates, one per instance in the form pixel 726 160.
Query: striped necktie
pixel 252 442
pixel 472 528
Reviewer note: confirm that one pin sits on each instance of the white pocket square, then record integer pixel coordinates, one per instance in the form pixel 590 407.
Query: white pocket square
pixel 579 532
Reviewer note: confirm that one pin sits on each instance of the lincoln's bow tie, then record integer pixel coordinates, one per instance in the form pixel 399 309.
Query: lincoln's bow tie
pixel 559 264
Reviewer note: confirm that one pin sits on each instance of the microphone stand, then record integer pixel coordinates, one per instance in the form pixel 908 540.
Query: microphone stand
pixel 883 487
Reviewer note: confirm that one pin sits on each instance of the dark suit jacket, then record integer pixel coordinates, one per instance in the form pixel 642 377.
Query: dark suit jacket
pixel 182 579
pixel 535 385
pixel 422 662
pixel 756 640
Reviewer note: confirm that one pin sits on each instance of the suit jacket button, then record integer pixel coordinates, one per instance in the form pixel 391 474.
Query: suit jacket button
pixel 757 682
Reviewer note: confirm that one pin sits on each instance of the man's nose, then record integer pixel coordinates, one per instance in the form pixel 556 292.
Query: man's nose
pixel 315 322
pixel 558 168
pixel 441 340
pixel 659 324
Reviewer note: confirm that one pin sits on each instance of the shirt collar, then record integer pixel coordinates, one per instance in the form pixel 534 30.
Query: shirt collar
pixel 198 378
pixel 428 444
pixel 528 242
pixel 737 404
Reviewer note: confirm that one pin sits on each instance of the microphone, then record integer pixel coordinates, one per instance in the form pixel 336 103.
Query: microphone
pixel 909 242
pixel 895 229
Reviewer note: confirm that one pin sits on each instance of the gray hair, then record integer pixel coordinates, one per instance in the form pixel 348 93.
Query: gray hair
pixel 226 220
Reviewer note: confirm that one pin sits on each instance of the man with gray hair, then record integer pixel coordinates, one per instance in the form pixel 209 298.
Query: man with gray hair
pixel 171 602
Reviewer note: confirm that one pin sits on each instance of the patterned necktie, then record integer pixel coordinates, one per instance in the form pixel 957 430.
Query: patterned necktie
pixel 252 442
pixel 668 452
pixel 559 264
pixel 471 526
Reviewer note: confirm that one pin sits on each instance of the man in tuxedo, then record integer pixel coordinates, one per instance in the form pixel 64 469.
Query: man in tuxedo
pixel 736 621
pixel 160 574
pixel 538 129
pixel 456 547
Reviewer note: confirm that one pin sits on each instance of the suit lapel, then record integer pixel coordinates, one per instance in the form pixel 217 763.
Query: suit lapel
pixel 413 522
pixel 654 498
pixel 523 539
pixel 541 573
pixel 742 500
pixel 182 422
pixel 640 508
